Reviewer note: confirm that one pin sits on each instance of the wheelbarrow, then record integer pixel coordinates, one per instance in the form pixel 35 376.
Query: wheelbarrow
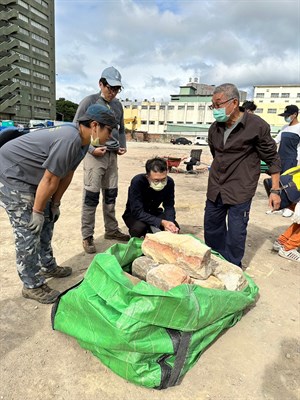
pixel 172 162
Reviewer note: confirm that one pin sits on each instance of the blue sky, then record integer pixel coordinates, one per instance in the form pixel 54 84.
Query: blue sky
pixel 158 45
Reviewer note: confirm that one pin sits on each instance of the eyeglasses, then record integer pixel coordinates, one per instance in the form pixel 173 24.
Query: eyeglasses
pixel 157 181
pixel 113 89
pixel 212 106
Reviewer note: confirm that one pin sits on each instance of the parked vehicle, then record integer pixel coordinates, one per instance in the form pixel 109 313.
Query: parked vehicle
pixel 181 140
pixel 201 141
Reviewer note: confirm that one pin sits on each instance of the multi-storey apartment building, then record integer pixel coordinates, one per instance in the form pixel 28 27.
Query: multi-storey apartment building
pixel 271 100
pixel 27 60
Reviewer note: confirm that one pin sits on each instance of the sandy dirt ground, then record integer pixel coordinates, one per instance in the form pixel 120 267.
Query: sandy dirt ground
pixel 256 359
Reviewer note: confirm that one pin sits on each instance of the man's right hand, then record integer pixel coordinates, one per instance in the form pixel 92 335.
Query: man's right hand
pixel 169 226
pixel 99 151
pixel 36 222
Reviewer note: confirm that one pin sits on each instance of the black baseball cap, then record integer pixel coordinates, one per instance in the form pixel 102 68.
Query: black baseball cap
pixel 101 114
pixel 289 110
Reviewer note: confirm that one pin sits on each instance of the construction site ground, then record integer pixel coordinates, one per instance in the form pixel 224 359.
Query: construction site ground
pixel 257 359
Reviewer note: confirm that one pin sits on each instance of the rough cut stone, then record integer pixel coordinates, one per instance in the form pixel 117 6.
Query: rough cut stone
pixel 211 283
pixel 167 276
pixel 183 250
pixel 142 265
pixel 133 279
pixel 231 275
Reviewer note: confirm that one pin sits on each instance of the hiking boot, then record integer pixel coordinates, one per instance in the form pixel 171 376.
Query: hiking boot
pixel 58 272
pixel 43 294
pixel 117 235
pixel 88 245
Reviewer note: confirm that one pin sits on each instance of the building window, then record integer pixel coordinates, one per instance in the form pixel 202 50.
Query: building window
pixel 171 107
pixel 258 110
pixel 23 18
pixel 144 122
pixel 169 122
pixel 285 95
pixel 38 13
pixel 151 122
pixel 162 107
pixel 298 94
pixel 24 70
pixel 23 4
pixel 40 51
pixel 41 99
pixel 190 107
pixel 40 39
pixel 23 44
pixel 260 95
pixel 134 107
pixel 161 123
pixel 144 107
pixel 152 107
pixel 189 122
pixel 181 107
pixel 42 3
pixel 24 31
pixel 179 122
pixel 39 26
pixel 275 95
pixel 40 87
pixel 201 107
pixel 23 57
pixel 41 76
pixel 272 110
pixel 40 63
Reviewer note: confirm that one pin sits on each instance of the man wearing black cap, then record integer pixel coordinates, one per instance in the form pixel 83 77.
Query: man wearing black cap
pixel 289 138
pixel 100 164
pixel 35 171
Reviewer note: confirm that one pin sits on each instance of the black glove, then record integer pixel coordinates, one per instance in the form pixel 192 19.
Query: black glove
pixel 36 221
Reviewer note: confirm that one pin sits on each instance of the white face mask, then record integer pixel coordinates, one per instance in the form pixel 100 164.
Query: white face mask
pixel 158 186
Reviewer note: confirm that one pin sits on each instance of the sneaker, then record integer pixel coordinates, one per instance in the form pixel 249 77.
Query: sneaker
pixel 58 272
pixel 287 213
pixel 88 245
pixel 292 255
pixel 43 294
pixel 117 235
pixel 277 246
pixel 274 212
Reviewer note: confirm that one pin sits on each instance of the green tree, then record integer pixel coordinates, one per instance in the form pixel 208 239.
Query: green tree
pixel 65 109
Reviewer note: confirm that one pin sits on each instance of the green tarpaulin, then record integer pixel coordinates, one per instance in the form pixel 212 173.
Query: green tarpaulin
pixel 147 336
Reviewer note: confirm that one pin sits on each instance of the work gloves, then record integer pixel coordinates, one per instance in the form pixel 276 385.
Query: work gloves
pixel 36 222
pixel 54 212
pixel 37 218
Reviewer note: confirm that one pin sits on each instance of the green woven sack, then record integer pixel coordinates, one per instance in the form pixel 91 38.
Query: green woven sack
pixel 147 336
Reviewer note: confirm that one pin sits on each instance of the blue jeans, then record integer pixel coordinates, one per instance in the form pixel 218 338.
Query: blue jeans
pixel 225 228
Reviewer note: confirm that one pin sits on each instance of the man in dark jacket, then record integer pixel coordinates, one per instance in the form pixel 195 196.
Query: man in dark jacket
pixel 147 192
pixel 238 141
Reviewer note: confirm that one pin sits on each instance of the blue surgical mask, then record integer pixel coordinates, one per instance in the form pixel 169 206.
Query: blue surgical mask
pixel 220 114
pixel 288 120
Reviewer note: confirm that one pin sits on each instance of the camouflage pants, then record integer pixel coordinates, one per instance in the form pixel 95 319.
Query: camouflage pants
pixel 33 251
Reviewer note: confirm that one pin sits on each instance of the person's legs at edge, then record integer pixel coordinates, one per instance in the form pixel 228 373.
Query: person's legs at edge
pixel 215 229
pixel 238 218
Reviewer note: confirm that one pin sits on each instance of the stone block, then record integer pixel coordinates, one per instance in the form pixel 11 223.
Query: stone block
pixel 184 250
pixel 133 279
pixel 211 283
pixel 167 276
pixel 231 275
pixel 142 265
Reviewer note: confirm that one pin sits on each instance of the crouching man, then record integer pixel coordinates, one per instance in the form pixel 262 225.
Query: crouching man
pixel 146 194
pixel 35 171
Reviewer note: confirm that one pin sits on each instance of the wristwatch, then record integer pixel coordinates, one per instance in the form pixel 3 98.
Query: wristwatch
pixel 276 191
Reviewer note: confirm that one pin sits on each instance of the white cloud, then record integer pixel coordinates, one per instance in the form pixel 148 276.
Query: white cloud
pixel 158 45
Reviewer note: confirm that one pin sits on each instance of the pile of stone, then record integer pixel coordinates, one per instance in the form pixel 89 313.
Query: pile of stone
pixel 170 260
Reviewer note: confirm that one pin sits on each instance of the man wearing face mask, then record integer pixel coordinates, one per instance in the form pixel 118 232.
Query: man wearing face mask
pixel 289 138
pixel 238 141
pixel 146 194
pixel 101 164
